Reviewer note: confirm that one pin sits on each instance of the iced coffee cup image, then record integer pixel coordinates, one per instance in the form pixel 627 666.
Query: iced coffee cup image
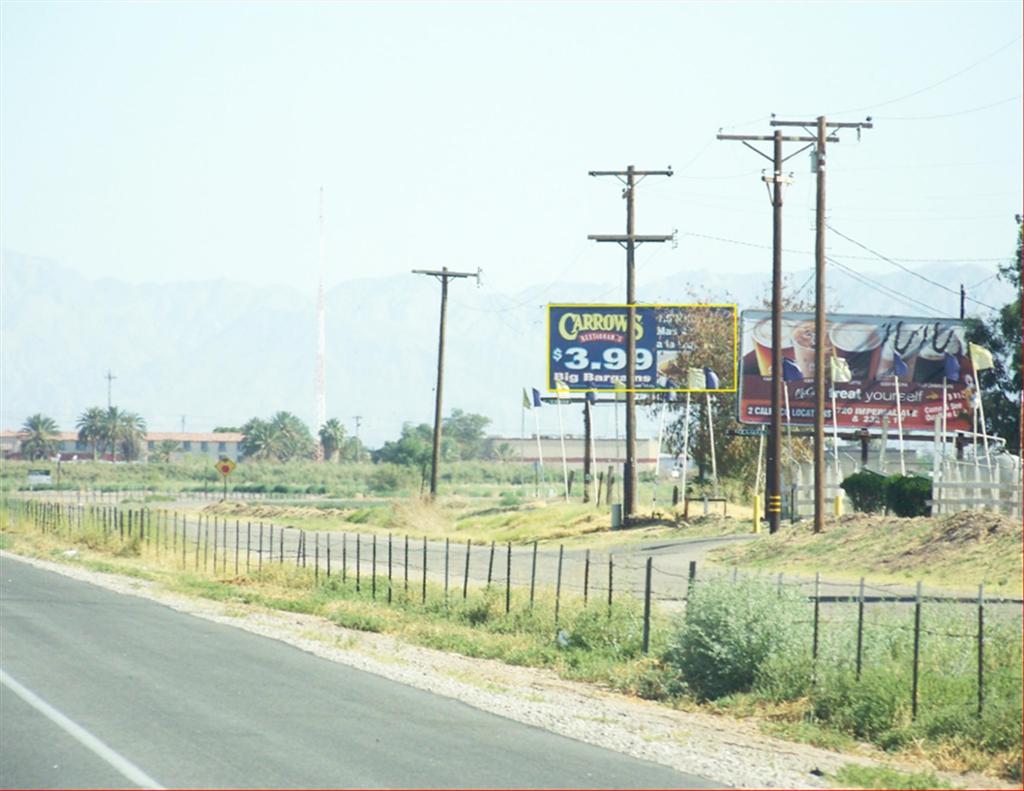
pixel 763 343
pixel 931 358
pixel 860 345
pixel 804 346
pixel 905 339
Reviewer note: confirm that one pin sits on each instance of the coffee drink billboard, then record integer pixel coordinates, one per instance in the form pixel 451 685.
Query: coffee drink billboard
pixel 870 346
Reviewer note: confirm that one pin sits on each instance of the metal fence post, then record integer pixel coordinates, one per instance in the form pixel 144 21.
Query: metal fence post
pixel 917 652
pixel 465 575
pixel 558 583
pixel 533 574
pixel 981 649
pixel 817 614
pixel 647 607
pixel 508 579
pixel 860 627
pixel 586 576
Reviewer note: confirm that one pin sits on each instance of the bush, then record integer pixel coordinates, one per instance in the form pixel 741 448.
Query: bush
pixel 731 629
pixel 866 490
pixel 907 495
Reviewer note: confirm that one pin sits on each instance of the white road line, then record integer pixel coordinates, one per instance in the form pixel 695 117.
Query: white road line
pixel 115 759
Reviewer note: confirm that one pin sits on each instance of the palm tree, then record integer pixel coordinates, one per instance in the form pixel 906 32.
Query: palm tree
pixel 258 442
pixel 291 437
pixel 38 437
pixel 90 428
pixel 133 434
pixel 124 430
pixel 163 450
pixel 332 436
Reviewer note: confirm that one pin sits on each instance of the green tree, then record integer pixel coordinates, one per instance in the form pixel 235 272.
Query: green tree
pixel 503 452
pixel 282 438
pixel 123 431
pixel 466 431
pixel 38 437
pixel 706 337
pixel 163 450
pixel 332 436
pixel 414 448
pixel 291 437
pixel 1001 384
pixel 90 427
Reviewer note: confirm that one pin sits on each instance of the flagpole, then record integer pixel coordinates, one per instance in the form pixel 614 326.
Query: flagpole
pixel 945 423
pixel 540 450
pixel 561 436
pixel 686 446
pixel 789 430
pixel 984 429
pixel 711 436
pixel 835 434
pixel 657 455
pixel 522 440
pixel 593 453
pixel 899 422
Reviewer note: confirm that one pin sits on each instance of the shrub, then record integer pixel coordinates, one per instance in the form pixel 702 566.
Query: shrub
pixel 731 629
pixel 907 495
pixel 866 490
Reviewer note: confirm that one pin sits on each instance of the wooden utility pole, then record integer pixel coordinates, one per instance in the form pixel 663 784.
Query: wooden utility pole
pixel 820 341
pixel 773 478
pixel 443 276
pixel 630 176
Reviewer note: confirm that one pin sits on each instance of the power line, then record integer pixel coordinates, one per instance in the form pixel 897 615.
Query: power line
pixel 885 290
pixel 907 269
pixel 944 80
pixel 949 115
pixel 850 257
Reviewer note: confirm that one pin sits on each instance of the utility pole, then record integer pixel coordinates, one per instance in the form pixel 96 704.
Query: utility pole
pixel 773 479
pixel 963 299
pixel 110 378
pixel 820 341
pixel 630 177
pixel 358 419
pixel 443 276
pixel 182 424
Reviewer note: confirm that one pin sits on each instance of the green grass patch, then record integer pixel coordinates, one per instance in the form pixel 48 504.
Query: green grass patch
pixel 958 551
pixel 880 777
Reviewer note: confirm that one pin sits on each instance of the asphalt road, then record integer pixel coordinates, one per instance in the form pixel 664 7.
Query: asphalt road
pixel 100 690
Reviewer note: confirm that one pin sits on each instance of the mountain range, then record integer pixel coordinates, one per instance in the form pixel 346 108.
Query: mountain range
pixel 215 353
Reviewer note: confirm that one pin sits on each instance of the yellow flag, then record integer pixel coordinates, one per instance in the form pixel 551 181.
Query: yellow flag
pixel 981 358
pixel 562 389
pixel 695 379
pixel 840 370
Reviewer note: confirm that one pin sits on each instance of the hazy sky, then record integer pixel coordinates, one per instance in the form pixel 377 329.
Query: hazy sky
pixel 186 141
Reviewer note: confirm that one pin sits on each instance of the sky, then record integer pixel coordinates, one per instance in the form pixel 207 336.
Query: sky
pixel 189 141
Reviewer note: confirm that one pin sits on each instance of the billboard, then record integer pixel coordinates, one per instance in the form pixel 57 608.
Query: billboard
pixel 587 348
pixel 869 345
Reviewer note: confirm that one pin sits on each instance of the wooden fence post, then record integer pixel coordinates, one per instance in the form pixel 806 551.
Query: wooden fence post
pixel 508 579
pixel 917 652
pixel 533 574
pixel 860 628
pixel 586 576
pixel 981 650
pixel 558 582
pixel 465 576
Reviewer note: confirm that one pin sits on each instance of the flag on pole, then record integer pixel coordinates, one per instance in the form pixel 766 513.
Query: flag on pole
pixel 840 370
pixel 591 397
pixel 899 368
pixel 562 390
pixel 710 379
pixel 981 358
pixel 527 403
pixel 791 371
pixel 536 396
pixel 695 379
pixel 951 368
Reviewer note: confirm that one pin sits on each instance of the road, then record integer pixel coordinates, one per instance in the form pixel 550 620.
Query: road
pixel 101 690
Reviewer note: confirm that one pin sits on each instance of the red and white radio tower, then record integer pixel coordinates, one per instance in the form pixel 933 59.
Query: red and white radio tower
pixel 321 341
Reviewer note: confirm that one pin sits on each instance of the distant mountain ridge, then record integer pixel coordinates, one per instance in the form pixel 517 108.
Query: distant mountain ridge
pixel 218 352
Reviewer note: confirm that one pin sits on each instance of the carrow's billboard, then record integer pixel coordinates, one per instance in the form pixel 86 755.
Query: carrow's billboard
pixel 676 345
pixel 870 347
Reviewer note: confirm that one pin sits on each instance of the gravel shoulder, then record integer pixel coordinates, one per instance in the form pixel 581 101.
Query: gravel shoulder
pixel 721 748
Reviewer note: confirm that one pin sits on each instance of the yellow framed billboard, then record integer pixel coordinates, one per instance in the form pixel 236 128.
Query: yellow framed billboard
pixel 679 348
